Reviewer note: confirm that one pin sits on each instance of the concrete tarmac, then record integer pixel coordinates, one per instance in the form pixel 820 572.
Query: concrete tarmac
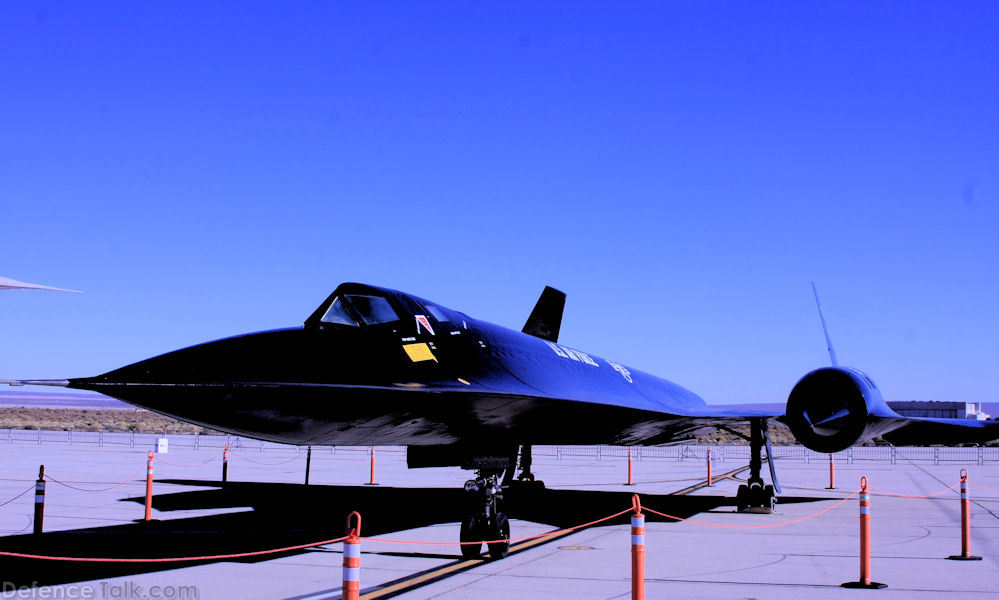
pixel 96 496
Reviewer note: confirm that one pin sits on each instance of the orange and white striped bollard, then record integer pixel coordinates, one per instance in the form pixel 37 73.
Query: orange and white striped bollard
pixel 225 464
pixel 630 480
pixel 965 521
pixel 865 543
pixel 710 481
pixel 149 488
pixel 39 500
pixel 637 550
pixel 352 560
pixel 371 477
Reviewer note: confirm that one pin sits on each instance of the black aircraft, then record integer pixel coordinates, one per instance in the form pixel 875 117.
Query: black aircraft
pixel 374 366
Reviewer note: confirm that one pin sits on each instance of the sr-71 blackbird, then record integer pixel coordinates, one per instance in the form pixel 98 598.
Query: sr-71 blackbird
pixel 374 366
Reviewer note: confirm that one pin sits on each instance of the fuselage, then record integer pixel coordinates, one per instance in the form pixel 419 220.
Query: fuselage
pixel 378 366
pixel 416 373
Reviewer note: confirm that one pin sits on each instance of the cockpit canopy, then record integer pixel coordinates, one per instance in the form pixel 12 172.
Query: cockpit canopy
pixel 356 305
pixel 372 310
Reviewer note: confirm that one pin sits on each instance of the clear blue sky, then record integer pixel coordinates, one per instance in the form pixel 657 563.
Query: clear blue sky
pixel 681 171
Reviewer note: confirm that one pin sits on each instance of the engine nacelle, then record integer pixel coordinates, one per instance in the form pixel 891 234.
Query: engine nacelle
pixel 833 408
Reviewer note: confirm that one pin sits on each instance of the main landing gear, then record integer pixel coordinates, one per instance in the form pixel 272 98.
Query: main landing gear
pixel 485 521
pixel 755 496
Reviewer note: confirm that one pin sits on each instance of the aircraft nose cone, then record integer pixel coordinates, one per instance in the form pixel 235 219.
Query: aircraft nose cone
pixel 200 383
pixel 230 359
pixel 190 365
pixel 232 384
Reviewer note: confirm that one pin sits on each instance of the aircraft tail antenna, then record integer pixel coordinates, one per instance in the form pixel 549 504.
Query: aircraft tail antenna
pixel 825 330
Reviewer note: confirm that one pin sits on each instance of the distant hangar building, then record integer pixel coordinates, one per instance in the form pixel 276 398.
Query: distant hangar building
pixel 940 410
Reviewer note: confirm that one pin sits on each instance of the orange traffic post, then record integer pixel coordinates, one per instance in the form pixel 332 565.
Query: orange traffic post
pixel 149 488
pixel 39 500
pixel 225 464
pixel 965 521
pixel 371 477
pixel 710 482
pixel 832 473
pixel 865 543
pixel 352 559
pixel 630 480
pixel 637 550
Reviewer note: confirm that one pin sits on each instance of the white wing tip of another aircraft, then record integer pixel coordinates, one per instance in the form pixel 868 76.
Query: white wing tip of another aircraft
pixel 7 283
pixel 49 382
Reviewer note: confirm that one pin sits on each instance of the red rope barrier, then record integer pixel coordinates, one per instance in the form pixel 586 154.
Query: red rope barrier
pixel 635 507
pixel 19 495
pixel 764 526
pixel 298 547
pixel 108 489
pixel 983 488
pixel 264 463
pixel 173 558
pixel 511 540
pixel 886 493
pixel 201 464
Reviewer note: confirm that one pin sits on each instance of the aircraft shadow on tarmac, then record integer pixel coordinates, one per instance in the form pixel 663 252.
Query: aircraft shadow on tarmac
pixel 290 514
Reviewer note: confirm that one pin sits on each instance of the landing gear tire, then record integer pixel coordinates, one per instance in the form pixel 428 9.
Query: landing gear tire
pixel 468 537
pixel 756 498
pixel 501 531
pixel 770 498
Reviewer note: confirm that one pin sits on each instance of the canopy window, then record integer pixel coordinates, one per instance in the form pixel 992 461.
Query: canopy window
pixel 372 309
pixel 338 314
pixel 437 313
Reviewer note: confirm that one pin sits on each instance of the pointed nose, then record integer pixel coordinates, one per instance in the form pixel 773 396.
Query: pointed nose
pixel 270 356
pixel 286 385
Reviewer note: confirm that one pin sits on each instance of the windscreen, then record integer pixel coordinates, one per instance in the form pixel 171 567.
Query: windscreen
pixel 336 313
pixel 372 309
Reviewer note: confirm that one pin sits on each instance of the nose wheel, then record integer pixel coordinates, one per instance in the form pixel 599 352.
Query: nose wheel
pixel 470 537
pixel 502 530
pixel 483 521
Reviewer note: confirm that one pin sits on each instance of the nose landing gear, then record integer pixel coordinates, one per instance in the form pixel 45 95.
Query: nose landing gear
pixel 483 521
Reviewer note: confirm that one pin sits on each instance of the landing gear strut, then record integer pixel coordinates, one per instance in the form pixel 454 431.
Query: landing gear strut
pixel 484 522
pixel 484 519
pixel 525 480
pixel 755 496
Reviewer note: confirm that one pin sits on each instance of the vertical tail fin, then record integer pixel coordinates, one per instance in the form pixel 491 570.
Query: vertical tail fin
pixel 832 353
pixel 546 318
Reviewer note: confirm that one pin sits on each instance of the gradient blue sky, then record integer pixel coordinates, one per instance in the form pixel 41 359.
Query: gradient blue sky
pixel 681 170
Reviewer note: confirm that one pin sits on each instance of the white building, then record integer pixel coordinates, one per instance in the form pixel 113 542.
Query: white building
pixel 940 410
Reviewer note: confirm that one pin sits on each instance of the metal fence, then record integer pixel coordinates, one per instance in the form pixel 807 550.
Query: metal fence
pixel 679 453
pixel 740 454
